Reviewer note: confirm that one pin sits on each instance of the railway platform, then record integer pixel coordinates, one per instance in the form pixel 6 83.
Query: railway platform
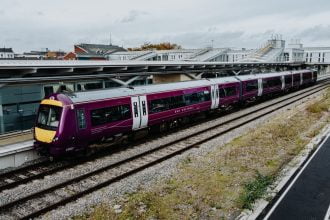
pixel 16 149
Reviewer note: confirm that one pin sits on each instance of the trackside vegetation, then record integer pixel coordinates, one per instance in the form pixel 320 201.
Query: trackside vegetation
pixel 255 190
pixel 230 178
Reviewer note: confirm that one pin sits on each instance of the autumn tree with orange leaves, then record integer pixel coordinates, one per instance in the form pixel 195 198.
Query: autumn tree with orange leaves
pixel 160 46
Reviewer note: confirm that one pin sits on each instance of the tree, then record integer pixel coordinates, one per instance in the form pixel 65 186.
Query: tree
pixel 160 46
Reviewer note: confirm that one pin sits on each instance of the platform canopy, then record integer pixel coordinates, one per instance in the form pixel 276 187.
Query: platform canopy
pixel 31 71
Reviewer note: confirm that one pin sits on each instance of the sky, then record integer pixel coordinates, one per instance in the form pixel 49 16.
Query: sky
pixel 59 24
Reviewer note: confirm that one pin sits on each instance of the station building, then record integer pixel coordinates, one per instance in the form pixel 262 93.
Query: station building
pixel 6 53
pixel 274 50
pixel 317 54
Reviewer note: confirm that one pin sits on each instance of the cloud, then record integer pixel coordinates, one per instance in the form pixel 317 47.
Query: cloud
pixel 229 24
pixel 318 32
pixel 132 16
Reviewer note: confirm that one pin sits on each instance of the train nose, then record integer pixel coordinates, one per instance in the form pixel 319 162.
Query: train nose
pixel 43 135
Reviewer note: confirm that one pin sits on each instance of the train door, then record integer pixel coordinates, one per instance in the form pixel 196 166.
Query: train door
pixel 214 96
pixel 144 111
pixel 81 126
pixel 140 112
pixel 260 88
pixel 301 78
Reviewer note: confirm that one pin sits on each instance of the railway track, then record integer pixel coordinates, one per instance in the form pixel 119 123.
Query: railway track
pixel 62 193
pixel 31 172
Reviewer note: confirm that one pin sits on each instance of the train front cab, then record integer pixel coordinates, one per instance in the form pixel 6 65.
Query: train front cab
pixel 47 126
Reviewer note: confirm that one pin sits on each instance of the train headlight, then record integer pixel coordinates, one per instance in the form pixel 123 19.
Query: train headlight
pixel 55 139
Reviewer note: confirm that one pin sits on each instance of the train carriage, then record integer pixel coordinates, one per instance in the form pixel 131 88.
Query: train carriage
pixel 77 121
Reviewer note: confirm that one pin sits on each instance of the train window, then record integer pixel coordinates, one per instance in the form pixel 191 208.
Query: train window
pixel 159 105
pixel 49 117
pixel 288 79
pixel 177 102
pixel 264 84
pixel 296 78
pixel 136 111
pixel 230 91
pixel 81 119
pixel 110 114
pixel 274 82
pixel 125 111
pixel 222 93
pixel 164 104
pixel 198 97
pixel 98 117
pixel 207 96
pixel 191 99
pixel 144 109
pixel 252 86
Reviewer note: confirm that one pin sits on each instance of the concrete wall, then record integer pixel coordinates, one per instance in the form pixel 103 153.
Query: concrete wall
pixel 17 159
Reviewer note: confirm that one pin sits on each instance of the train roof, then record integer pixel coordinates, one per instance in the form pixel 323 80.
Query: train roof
pixel 86 96
pixel 263 75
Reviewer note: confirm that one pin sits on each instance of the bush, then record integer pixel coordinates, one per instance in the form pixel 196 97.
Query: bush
pixel 255 190
pixel 318 107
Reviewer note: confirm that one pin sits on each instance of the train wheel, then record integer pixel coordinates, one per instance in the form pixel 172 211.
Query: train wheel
pixel 89 151
pixel 163 127
pixel 185 121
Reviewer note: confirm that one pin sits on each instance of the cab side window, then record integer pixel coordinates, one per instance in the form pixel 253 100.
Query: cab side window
pixel 81 119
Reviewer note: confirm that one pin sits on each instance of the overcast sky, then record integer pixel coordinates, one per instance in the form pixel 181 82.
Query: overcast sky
pixel 59 24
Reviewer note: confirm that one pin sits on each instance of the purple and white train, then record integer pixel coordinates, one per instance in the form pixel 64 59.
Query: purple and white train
pixel 75 122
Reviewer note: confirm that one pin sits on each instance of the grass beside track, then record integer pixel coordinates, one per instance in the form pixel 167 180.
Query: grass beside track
pixel 221 183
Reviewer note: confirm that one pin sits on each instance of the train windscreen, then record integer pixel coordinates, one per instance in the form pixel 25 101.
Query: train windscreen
pixel 49 117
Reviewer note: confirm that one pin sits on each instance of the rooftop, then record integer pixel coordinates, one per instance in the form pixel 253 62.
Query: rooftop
pixel 97 49
pixel 6 50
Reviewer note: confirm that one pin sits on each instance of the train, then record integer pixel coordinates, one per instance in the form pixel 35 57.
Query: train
pixel 69 123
